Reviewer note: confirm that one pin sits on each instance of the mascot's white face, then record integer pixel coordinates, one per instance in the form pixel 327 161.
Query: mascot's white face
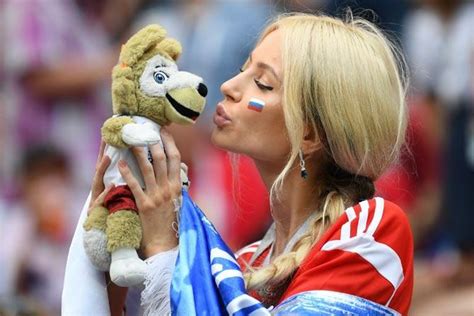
pixel 162 75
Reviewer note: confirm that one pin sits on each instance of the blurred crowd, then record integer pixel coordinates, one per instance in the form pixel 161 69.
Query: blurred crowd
pixel 55 63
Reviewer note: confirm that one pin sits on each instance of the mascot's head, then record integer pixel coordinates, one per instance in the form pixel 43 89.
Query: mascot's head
pixel 147 81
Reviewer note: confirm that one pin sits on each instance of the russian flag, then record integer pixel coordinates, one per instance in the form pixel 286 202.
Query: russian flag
pixel 256 104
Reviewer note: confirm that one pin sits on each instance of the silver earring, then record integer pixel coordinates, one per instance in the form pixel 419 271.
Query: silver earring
pixel 304 172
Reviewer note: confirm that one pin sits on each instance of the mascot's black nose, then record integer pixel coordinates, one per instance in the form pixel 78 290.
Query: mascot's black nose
pixel 202 89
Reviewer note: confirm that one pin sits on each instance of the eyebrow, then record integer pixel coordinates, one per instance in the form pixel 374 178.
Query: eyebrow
pixel 266 67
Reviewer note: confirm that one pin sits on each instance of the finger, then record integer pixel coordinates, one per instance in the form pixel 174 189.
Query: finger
pixel 145 167
pixel 98 182
pixel 101 153
pixel 101 198
pixel 173 156
pixel 159 164
pixel 131 181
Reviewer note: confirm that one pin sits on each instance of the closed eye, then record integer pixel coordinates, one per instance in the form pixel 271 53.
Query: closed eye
pixel 261 86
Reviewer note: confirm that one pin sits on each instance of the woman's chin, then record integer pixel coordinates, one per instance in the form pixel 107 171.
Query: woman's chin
pixel 220 140
pixel 216 137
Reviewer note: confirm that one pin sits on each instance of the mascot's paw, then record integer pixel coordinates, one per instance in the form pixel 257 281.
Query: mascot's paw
pixel 95 245
pixel 140 134
pixel 127 269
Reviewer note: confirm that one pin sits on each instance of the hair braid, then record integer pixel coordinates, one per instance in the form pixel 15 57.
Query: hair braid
pixel 276 273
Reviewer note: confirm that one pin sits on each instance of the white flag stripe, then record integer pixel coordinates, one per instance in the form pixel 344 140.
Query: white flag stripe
pixel 379 203
pixel 219 253
pixel 346 228
pixel 241 302
pixel 216 268
pixel 228 274
pixel 363 217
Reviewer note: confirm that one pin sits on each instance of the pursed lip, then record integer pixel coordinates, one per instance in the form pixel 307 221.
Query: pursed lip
pixel 221 118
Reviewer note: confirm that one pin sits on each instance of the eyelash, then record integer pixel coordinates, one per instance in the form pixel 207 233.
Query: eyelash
pixel 260 85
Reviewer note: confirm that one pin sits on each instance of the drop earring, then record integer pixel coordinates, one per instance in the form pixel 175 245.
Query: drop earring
pixel 304 172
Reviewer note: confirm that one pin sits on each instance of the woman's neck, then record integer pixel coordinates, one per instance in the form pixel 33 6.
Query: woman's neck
pixel 297 200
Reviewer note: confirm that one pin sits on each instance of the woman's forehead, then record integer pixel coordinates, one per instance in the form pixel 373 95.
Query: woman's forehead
pixel 269 52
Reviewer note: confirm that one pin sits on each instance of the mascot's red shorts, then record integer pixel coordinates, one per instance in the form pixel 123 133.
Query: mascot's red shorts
pixel 120 198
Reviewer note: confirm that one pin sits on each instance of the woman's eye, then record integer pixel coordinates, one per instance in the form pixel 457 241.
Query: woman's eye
pixel 160 77
pixel 261 86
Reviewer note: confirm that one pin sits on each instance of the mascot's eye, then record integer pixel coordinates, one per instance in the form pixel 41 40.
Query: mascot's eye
pixel 160 76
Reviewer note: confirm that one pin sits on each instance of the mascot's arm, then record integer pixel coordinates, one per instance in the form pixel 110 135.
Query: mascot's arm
pixel 141 134
pixel 112 131
pixel 123 132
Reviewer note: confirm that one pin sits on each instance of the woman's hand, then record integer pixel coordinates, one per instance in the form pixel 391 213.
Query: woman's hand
pixel 157 203
pixel 98 191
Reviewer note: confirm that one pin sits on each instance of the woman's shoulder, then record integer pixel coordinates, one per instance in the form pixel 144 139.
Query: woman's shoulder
pixel 371 224
pixel 377 218
pixel 367 252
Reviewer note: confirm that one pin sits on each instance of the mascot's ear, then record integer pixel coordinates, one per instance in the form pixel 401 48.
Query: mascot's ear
pixel 140 43
pixel 171 47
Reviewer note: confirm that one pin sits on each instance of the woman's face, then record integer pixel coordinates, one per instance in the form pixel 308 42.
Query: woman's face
pixel 256 131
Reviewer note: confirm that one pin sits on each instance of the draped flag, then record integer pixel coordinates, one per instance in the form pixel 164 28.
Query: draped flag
pixel 207 279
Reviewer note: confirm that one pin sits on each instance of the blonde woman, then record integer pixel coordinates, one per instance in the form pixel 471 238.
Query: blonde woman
pixel 320 107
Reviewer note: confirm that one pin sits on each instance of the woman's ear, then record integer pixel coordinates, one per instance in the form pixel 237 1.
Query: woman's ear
pixel 311 141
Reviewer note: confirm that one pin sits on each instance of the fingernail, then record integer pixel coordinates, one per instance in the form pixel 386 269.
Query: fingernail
pixel 122 163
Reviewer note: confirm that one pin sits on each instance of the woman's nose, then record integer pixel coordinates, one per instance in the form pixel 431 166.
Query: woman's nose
pixel 230 91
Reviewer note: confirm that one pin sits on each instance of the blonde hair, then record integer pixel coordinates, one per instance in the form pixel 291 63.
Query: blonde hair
pixel 347 81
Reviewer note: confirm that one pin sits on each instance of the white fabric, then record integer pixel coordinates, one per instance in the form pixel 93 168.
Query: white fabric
pixel 112 175
pixel 141 134
pixel 84 291
pixel 155 298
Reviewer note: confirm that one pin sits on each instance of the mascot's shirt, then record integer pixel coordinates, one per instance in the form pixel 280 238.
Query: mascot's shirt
pixel 112 175
pixel 367 252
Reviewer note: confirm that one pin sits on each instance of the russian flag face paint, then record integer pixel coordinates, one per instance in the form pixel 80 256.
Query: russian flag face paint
pixel 256 105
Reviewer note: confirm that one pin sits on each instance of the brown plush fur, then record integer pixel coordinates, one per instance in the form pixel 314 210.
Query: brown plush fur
pixel 141 42
pixel 97 219
pixel 124 99
pixel 123 230
pixel 153 108
pixel 171 47
pixel 112 131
